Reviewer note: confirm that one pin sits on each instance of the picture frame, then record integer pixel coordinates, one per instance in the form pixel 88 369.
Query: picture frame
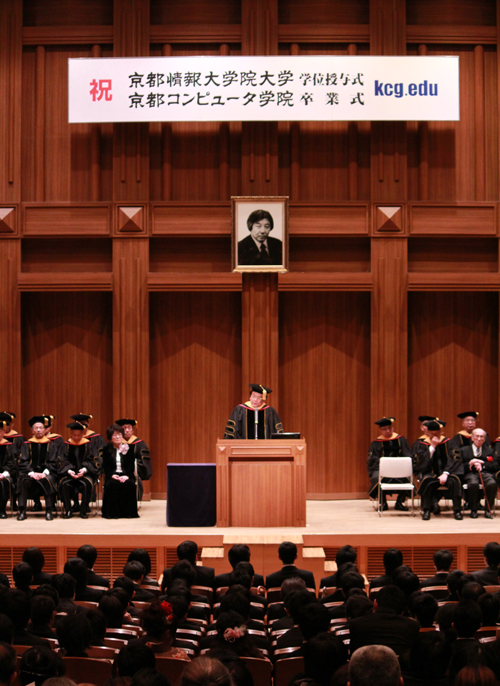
pixel 259 240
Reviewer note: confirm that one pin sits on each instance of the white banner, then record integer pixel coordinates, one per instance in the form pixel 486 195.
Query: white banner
pixel 288 88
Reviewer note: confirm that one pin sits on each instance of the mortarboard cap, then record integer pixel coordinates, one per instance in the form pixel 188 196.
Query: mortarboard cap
pixel 463 415
pixel 7 416
pixel 435 424
pixel 3 425
pixel 39 419
pixel 258 388
pixel 122 422
pixel 81 417
pixel 76 426
pixel 385 421
pixel 425 418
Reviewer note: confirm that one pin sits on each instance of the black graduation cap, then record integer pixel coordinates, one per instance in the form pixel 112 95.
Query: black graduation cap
pixel 81 417
pixel 76 426
pixel 435 424
pixel 425 418
pixel 49 418
pixel 7 416
pixel 258 388
pixel 40 419
pixel 463 415
pixel 385 421
pixel 122 422
pixel 3 425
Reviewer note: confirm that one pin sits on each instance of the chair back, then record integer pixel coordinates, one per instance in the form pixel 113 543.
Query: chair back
pixel 171 667
pixel 87 670
pixel 141 604
pixel 437 592
pixel 88 604
pixel 155 590
pixel 204 590
pixel 260 670
pixel 258 590
pixel 327 590
pixel 286 668
pixel 491 589
pixel 274 595
pixel 395 467
pixel 115 643
pixel 101 652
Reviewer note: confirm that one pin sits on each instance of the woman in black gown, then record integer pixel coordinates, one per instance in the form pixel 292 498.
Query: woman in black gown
pixel 118 464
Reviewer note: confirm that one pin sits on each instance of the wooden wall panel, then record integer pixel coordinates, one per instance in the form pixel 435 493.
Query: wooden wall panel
pixel 195 375
pixel 10 331
pixel 324 385
pixel 67 357
pixel 324 12
pixel 453 357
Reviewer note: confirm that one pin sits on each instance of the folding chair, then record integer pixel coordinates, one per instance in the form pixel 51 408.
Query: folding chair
pixel 396 468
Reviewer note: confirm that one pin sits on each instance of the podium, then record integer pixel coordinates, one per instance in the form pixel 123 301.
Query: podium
pixel 261 483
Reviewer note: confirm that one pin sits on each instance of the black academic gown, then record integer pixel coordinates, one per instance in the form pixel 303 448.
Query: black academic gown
pixel 430 467
pixel 7 464
pixel 241 423
pixel 141 446
pixel 37 455
pixel 96 439
pixel 395 446
pixel 120 499
pixel 464 438
pixel 73 457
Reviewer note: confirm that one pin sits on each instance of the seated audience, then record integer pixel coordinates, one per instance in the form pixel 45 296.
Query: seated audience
pixel 8 664
pixel 393 558
pixel 6 630
pixel 39 664
pixel 443 559
pixel 113 610
pixel 36 560
pixel 188 550
pixel 149 677
pixel 344 554
pixel 97 623
pixel 489 575
pixel 18 609
pixel 160 625
pixel 490 609
pixel 89 555
pixel 136 571
pixel 323 654
pixel 22 575
pixel 276 610
pixel 423 607
pixel 74 635
pixel 65 586
pixel 374 664
pixel 142 556
pixel 232 636
pixel 43 610
pixel 429 660
pixel 287 553
pixel 349 582
pixel 204 671
pixel 77 568
pixel 312 619
pixel 239 552
pixel 131 659
pixel 476 675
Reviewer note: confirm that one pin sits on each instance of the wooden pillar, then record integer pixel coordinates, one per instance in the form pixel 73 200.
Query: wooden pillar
pixel 10 331
pixel 389 330
pixel 131 333
pixel 260 332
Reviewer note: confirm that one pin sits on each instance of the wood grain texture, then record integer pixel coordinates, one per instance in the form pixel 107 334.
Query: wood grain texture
pixel 50 219
pixel 212 218
pixel 195 375
pixel 10 315
pixel 65 281
pixel 478 219
pixel 66 357
pixel 324 362
pixel 319 218
pixel 453 356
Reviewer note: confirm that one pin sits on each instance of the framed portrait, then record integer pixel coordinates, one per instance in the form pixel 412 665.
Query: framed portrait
pixel 260 233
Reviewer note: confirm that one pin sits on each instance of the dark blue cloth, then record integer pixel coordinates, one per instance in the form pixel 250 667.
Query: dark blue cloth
pixel 191 494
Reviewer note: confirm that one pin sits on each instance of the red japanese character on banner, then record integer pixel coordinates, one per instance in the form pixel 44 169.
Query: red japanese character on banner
pixel 101 88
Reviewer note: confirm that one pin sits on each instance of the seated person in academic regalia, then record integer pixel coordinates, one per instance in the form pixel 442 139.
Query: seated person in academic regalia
pixel 78 470
pixel 96 439
pixel 7 469
pixel 51 435
pixel 17 440
pixel 254 418
pixel 37 468
pixel 388 444
pixel 128 426
pixel 431 459
pixel 424 431
pixel 464 436
pixel 477 465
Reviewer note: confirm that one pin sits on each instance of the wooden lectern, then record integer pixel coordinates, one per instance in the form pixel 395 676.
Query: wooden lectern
pixel 261 483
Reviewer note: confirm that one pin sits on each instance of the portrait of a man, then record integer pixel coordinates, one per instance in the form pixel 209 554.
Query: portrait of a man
pixel 259 247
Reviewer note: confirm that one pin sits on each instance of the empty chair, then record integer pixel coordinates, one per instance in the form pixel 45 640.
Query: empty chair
pixel 395 468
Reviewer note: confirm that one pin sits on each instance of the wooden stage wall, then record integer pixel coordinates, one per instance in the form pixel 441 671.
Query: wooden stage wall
pixel 116 291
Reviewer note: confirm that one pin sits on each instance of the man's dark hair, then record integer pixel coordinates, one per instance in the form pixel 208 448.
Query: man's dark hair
pixel 351 580
pixel 35 558
pixel 149 677
pixel 287 552
pixel 8 662
pixel 239 552
pixel 48 590
pixel 444 619
pixel 467 618
pixel 74 634
pixel 180 606
pixel 134 570
pixel 393 558
pixel 313 619
pixel 77 568
pixel 345 568
pixel 142 556
pixel 88 554
pixel 18 610
pixel 120 594
pixel 374 664
pixel 42 609
pixel 239 602
pixel 490 609
pixel 184 570
pixel 6 630
pixel 430 655
pixel 470 590
pixel 345 554
pixel 22 574
pixel 296 600
pixel 39 664
pixel 391 598
pixel 257 216
pixel 491 551
pixel 179 587
pixel 241 576
pixel 125 584
pixel 97 622
pixel 293 583
pixel 113 610
pixel 423 607
pixel 187 550
pixel 64 584
pixel 407 581
pixel 132 658
pixel 452 582
pixel 357 606
pixel 323 655
pixel 443 559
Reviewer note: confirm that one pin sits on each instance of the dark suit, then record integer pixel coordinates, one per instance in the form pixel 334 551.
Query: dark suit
pixel 94 579
pixel 205 576
pixel 487 576
pixel 275 579
pixel 222 580
pixel 379 581
pixel 248 252
pixel 384 627
pixel 439 579
pixel 471 477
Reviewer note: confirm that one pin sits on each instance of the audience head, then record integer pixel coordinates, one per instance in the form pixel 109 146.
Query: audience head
pixel 18 609
pixel 184 570
pixel 88 554
pixel 113 610
pixel 477 675
pixel 77 568
pixel 293 583
pixel 158 620
pixel 393 558
pixel 97 622
pixel 239 552
pixel 346 568
pixel 472 590
pixel 42 610
pixel 472 654
pixel 443 559
pixel 6 629
pixel 238 601
pixel 287 552
pixel 22 575
pixel 132 658
pixel 4 580
pixel 351 580
pixel 149 677
pixel 142 556
pixel 374 664
pixel 47 590
pixel 134 570
pixel 205 671
pixel 241 575
pixel 358 606
pixel 125 584
pixel 444 619
pixel 390 598
pixel 406 580
pixel 314 618
pixel 467 618
pixel 323 655
pixel 39 664
pixel 491 552
pixel 452 582
pixel 345 554
pixel 430 655
pixel 180 606
pixel 64 584
pixel 8 664
pixel 35 558
pixel 490 609
pixel 464 579
pixel 187 550
pixel 296 600
pixel 74 634
pixel 423 607
pixel 179 587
